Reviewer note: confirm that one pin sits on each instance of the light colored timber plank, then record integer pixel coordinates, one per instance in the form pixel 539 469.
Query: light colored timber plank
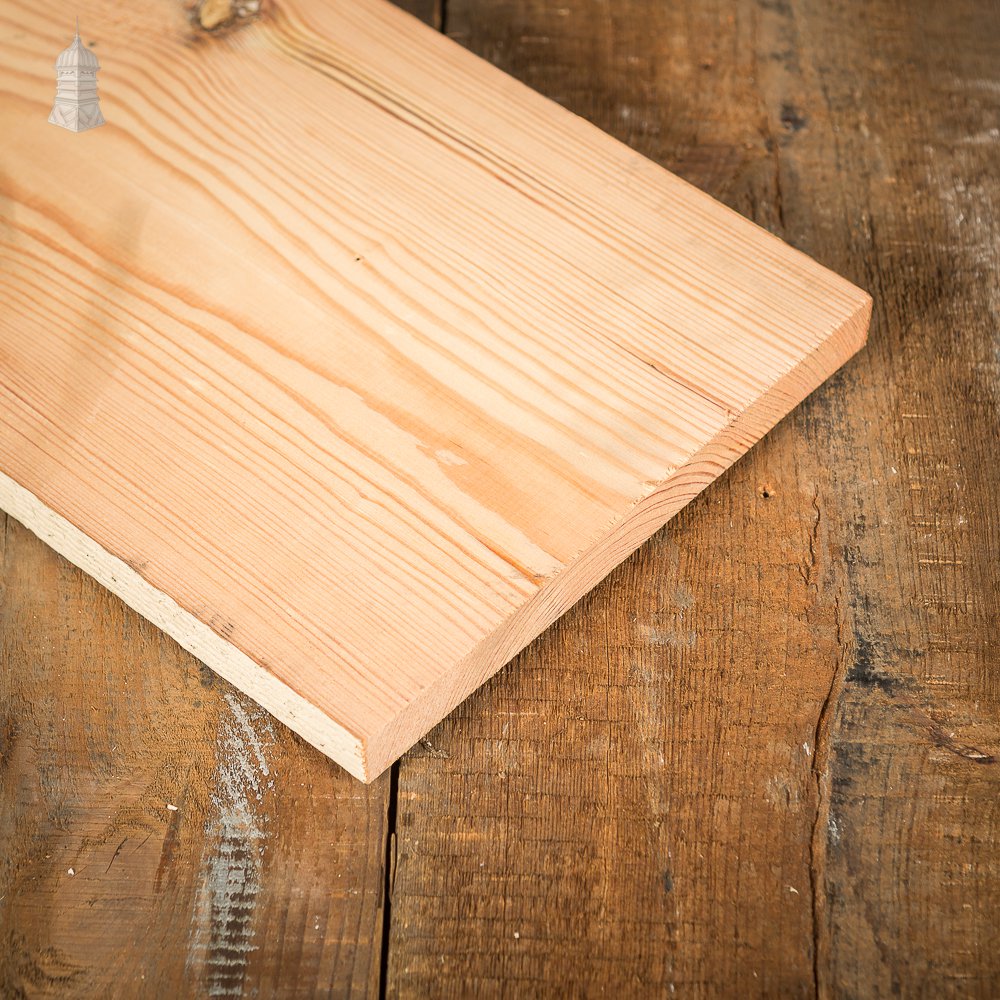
pixel 190 632
pixel 351 362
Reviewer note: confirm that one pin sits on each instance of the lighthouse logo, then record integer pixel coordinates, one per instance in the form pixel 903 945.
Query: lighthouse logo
pixel 76 106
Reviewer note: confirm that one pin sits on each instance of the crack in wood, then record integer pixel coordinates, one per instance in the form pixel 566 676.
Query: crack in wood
pixel 822 752
pixel 389 878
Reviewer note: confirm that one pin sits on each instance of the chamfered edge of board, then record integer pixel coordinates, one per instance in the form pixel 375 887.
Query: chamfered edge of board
pixel 621 538
pixel 366 756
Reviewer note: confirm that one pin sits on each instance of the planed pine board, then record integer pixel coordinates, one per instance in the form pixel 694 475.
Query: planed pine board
pixel 351 362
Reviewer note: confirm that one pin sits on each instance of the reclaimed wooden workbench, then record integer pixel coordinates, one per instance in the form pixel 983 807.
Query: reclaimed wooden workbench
pixel 760 759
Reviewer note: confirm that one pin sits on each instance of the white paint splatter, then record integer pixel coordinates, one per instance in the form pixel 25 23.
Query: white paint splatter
pixel 985 137
pixel 222 923
pixel 833 830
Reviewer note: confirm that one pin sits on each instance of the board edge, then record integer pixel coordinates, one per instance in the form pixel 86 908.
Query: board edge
pixel 635 527
pixel 193 635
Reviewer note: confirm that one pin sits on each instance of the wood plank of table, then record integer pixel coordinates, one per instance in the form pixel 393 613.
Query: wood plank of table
pixel 761 758
pixel 560 845
pixel 354 384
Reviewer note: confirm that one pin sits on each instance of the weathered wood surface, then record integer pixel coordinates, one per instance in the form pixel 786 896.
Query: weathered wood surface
pixel 355 404
pixel 767 755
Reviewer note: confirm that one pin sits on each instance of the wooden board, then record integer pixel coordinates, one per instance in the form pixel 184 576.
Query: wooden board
pixel 352 363
pixel 629 806
pixel 772 768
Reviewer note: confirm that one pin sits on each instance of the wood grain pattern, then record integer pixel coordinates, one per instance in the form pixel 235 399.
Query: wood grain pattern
pixel 368 358
pixel 760 760
pixel 633 799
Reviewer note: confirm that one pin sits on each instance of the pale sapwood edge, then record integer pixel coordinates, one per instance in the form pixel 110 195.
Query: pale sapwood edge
pixel 194 635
